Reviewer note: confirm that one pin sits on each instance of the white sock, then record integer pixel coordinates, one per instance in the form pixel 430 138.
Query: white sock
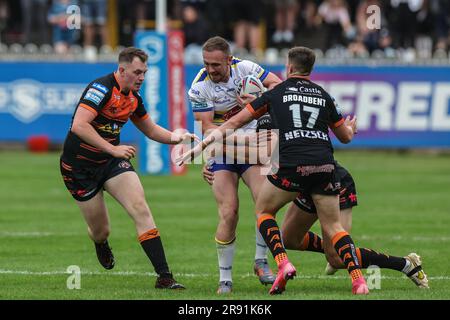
pixel 225 254
pixel 261 247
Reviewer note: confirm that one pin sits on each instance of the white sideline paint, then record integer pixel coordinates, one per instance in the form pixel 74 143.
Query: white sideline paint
pixel 186 275
pixel 31 234
pixel 409 238
pixel 25 234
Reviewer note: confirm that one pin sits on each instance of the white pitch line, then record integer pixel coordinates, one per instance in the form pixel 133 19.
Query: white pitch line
pixel 33 234
pixel 24 234
pixel 406 238
pixel 186 275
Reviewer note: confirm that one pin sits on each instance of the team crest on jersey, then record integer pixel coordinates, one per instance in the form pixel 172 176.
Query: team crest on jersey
pixel 113 110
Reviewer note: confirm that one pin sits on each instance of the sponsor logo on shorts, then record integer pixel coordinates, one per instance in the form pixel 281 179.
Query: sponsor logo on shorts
pixel 84 193
pixel 308 170
pixel 124 164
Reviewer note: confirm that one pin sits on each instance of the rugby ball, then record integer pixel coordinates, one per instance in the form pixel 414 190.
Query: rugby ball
pixel 250 85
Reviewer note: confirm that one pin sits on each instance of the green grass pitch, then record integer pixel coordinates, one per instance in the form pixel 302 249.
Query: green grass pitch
pixel 404 206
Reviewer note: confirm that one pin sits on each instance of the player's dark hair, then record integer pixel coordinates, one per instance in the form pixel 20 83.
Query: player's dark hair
pixel 128 54
pixel 302 59
pixel 217 43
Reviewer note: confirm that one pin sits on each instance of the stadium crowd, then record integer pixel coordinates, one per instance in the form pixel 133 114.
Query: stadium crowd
pixel 261 29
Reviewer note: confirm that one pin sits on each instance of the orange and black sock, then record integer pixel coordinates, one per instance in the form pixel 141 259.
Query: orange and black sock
pixel 312 242
pixel 272 236
pixel 344 246
pixel 368 257
pixel 152 245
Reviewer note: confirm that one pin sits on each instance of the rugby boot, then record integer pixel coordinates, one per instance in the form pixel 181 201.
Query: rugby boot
pixel 105 255
pixel 415 271
pixel 286 271
pixel 262 270
pixel 166 281
pixel 359 286
pixel 329 270
pixel 225 287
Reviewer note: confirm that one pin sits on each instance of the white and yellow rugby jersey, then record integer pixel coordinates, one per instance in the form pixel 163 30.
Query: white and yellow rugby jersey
pixel 206 95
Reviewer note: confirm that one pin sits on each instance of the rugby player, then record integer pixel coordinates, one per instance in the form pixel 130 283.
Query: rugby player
pixel 213 100
pixel 302 214
pixel 94 160
pixel 302 111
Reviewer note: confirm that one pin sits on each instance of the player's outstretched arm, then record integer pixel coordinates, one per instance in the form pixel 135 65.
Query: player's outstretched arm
pixel 242 118
pixel 157 133
pixel 82 127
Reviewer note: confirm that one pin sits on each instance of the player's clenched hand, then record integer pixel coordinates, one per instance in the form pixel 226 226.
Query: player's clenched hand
pixel 123 152
pixel 245 99
pixel 208 176
pixel 351 123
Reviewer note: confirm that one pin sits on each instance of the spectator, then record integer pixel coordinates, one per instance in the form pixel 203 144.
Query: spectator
pixel 336 19
pixel 403 21
pixel 285 17
pixel 94 14
pixel 369 37
pixel 310 14
pixel 441 12
pixel 35 25
pixel 247 15
pixel 63 35
pixel 137 15
pixel 194 26
pixel 219 14
pixel 4 12
pixel 195 31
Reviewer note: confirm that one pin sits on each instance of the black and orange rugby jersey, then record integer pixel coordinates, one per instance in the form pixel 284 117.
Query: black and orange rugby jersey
pixel 302 111
pixel 112 108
